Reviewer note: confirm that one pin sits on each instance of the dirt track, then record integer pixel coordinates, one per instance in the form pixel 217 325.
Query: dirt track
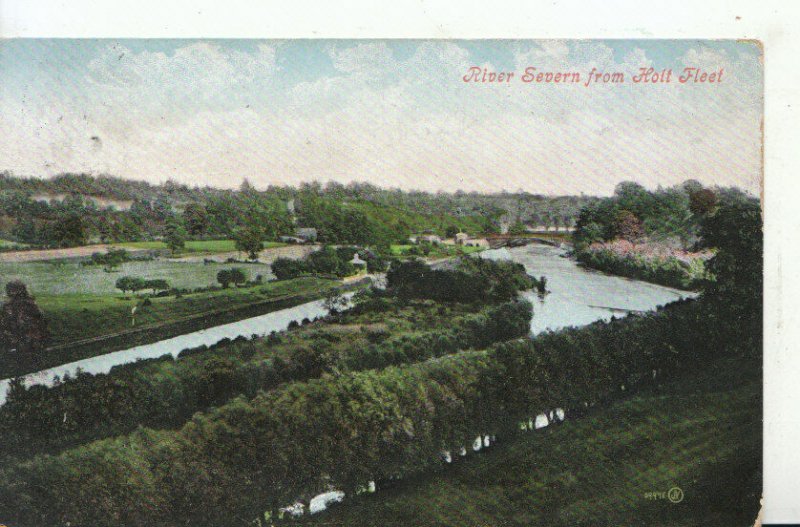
pixel 84 251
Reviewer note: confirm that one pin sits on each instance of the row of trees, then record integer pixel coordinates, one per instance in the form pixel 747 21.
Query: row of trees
pixel 165 393
pixel 135 284
pixel 109 260
pixel 235 276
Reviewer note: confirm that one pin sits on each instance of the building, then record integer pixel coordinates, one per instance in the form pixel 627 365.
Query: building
pixel 476 242
pixel 358 263
pixel 461 237
pixel 98 201
pixel 307 234
pixel 430 238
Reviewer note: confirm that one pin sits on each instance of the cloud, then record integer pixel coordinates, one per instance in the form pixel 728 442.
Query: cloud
pixel 210 114
pixel 364 58
pixel 197 76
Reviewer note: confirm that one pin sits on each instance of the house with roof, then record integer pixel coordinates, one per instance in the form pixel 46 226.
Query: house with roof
pixel 430 238
pixel 359 264
pixel 307 234
pixel 461 237
pixel 476 242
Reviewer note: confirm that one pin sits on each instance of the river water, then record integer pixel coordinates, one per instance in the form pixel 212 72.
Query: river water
pixel 259 325
pixel 577 297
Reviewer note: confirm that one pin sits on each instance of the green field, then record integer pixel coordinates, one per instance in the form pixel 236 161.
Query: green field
pixel 437 251
pixel 74 318
pixel 195 246
pixel 78 316
pixel 60 277
pixel 8 244
pixel 701 434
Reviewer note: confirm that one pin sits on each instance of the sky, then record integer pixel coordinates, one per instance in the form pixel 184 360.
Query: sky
pixel 393 113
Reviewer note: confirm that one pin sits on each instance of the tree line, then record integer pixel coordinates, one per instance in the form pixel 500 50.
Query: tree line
pixel 176 213
pixel 657 236
pixel 166 392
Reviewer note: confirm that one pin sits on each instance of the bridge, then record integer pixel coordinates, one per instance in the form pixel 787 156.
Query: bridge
pixel 519 240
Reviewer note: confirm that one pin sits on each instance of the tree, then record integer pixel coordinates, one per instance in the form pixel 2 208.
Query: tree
pixel 286 268
pixel 334 302
pixel 691 185
pixel 246 187
pixel 195 216
pixel 249 240
pixel 175 237
pixel 238 276
pixel 224 277
pixel 112 259
pixel 130 283
pixel 158 284
pixel 634 198
pixel 627 226
pixel 23 328
pixel 702 202
pixel 231 276
pixel 69 231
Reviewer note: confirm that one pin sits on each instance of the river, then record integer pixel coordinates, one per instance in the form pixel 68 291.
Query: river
pixel 259 325
pixel 577 297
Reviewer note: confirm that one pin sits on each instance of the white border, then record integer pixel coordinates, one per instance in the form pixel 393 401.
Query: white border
pixel 773 22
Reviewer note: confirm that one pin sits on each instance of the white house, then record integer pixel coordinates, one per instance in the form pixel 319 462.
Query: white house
pixel 309 234
pixel 476 242
pixel 430 238
pixel 358 262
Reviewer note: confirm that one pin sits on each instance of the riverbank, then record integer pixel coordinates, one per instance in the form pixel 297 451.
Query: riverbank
pixel 652 263
pixel 98 324
pixel 614 465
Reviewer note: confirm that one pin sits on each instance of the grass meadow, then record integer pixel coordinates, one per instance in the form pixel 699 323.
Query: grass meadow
pixel 60 277
pixel 78 316
pixel 195 246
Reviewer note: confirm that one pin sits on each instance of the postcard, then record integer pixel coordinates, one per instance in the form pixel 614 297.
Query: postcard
pixel 381 282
